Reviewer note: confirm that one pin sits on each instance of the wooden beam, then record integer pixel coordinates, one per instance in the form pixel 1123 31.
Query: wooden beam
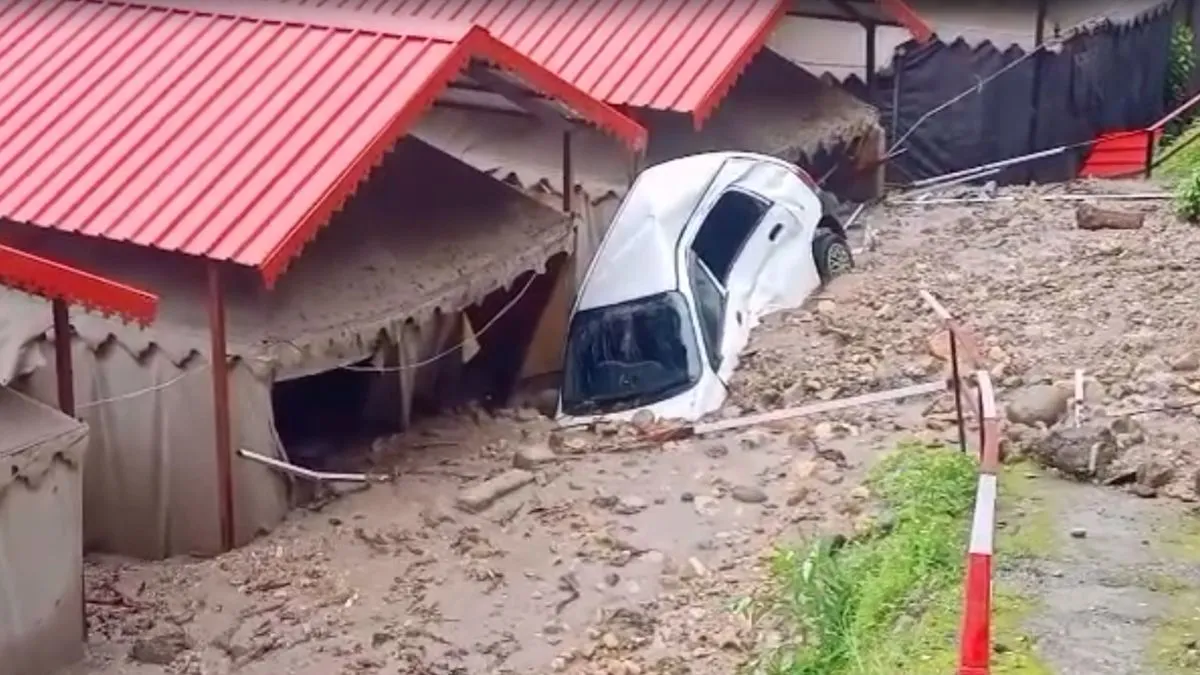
pixel 218 360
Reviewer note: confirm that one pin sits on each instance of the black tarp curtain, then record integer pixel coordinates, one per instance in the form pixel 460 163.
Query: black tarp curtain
pixel 1110 79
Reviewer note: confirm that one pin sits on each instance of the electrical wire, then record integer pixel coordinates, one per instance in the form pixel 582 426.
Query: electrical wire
pixel 1055 42
pixel 450 350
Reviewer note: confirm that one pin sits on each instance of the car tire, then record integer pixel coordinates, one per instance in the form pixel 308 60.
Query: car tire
pixel 832 254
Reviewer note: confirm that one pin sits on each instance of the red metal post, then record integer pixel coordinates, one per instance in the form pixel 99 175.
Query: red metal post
pixel 221 412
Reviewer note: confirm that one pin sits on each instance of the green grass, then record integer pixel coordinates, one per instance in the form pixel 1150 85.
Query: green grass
pixel 1026 512
pixel 1181 542
pixel 1173 650
pixel 1183 163
pixel 888 603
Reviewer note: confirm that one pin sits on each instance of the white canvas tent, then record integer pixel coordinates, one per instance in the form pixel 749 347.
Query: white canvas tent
pixel 41 524
pixel 426 237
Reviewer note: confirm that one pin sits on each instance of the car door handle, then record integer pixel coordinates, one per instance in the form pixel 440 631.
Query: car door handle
pixel 775 232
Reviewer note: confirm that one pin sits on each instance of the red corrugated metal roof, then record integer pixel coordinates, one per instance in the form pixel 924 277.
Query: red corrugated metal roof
pixel 55 280
pixel 678 55
pixel 215 134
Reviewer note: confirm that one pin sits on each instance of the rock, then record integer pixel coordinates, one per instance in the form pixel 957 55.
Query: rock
pixel 1144 491
pixel 1196 483
pixel 1069 450
pixel 1040 404
pixel 748 494
pixel 1186 362
pixel 1088 217
pixel 629 505
pixel 1079 533
pixel 716 451
pixel 527 415
pixel 643 420
pixel 1155 474
pixel 161 650
pixel 479 497
pixel 533 456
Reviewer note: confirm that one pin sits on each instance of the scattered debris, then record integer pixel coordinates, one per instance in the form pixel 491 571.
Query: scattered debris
pixel 479 497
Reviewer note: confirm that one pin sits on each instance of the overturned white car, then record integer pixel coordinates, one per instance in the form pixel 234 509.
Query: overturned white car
pixel 700 249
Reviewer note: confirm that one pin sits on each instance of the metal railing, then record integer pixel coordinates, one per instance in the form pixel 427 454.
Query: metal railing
pixel 975 642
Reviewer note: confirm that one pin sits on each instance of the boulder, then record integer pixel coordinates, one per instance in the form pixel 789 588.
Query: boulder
pixel 1039 404
pixel 1069 450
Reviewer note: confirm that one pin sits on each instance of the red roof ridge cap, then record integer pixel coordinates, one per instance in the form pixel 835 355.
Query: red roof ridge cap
pixel 315 17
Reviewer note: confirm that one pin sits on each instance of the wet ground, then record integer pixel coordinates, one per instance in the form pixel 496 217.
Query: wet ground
pixel 619 563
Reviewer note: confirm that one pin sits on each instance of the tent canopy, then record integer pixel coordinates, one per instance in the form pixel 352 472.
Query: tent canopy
pixel 427 234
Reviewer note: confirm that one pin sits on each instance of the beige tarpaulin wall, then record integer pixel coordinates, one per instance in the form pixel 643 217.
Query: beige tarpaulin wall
pixel 403 259
pixel 41 528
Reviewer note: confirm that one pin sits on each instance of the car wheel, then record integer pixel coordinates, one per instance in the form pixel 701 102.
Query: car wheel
pixel 832 254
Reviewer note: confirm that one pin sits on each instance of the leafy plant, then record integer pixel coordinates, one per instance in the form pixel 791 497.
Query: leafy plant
pixel 1187 197
pixel 1180 67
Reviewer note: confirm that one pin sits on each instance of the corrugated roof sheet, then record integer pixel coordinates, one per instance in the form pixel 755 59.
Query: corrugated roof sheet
pixel 212 133
pixel 666 55
pixel 54 280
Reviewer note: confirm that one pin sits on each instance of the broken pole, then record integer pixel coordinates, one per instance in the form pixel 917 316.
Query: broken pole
pixel 223 441
pixel 958 407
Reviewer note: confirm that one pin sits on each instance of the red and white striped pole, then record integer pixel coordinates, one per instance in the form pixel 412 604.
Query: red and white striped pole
pixel 975 649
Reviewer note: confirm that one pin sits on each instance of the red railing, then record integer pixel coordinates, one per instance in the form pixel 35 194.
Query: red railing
pixel 975 643
pixel 1131 153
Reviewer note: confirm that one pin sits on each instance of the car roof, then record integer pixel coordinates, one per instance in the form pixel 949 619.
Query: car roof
pixel 637 256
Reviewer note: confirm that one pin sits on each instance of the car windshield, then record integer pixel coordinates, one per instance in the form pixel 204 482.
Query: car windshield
pixel 629 355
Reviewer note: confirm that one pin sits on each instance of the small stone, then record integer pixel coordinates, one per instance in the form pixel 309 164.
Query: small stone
pixel 1079 533
pixel 687 497
pixel 716 451
pixel 698 567
pixel 558 665
pixel 1144 491
pixel 610 641
pixel 643 420
pixel 748 494
pixel 612 579
pixel 629 505
pixel 1186 363
pixel 530 457
pixel 1155 474
pixel 161 650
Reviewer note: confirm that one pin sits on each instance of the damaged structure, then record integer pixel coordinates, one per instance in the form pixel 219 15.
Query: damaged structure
pixel 200 169
pixel 696 76
pixel 43 627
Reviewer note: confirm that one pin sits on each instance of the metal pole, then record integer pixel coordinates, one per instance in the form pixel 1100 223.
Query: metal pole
pixel 872 59
pixel 568 176
pixel 1149 152
pixel 64 373
pixel 958 410
pixel 1039 32
pixel 62 357
pixel 221 412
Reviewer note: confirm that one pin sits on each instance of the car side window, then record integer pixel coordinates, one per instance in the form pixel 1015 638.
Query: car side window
pixel 710 306
pixel 725 230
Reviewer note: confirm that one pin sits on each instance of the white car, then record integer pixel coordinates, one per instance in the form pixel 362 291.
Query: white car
pixel 700 249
